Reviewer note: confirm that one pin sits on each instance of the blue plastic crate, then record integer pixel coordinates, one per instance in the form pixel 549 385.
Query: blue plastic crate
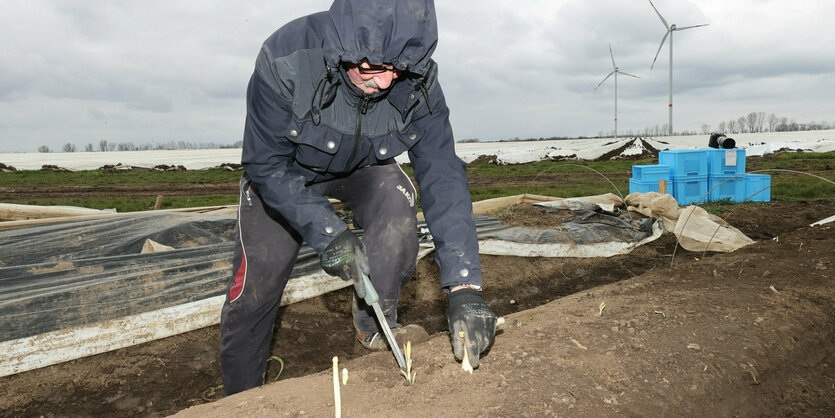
pixel 685 162
pixel 754 185
pixel 725 162
pixel 639 186
pixel 727 187
pixel 687 190
pixel 651 172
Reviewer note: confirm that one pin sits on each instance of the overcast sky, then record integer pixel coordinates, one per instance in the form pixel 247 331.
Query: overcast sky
pixel 158 71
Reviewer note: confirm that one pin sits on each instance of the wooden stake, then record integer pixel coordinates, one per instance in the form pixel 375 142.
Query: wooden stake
pixel 158 204
pixel 337 401
pixel 662 186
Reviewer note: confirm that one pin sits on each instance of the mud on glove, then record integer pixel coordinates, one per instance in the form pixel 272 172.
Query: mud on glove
pixel 345 257
pixel 472 325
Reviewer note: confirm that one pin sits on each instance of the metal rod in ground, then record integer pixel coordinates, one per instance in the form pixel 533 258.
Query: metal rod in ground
pixel 401 361
pixel 371 298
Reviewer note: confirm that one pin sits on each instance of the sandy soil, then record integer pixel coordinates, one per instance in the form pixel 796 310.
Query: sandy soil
pixel 707 336
pixel 749 333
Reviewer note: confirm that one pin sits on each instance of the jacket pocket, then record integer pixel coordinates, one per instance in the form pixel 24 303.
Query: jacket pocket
pixel 315 146
pixel 395 143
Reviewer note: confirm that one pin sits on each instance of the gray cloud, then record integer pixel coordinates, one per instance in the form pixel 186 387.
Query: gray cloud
pixel 160 71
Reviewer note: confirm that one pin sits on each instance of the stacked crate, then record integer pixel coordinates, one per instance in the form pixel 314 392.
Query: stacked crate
pixel 645 178
pixel 725 181
pixel 758 187
pixel 688 172
pixel 702 175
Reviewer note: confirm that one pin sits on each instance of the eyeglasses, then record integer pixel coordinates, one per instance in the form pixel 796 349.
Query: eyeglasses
pixel 374 69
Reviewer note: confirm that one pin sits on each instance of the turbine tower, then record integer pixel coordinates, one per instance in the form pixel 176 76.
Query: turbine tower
pixel 670 29
pixel 615 71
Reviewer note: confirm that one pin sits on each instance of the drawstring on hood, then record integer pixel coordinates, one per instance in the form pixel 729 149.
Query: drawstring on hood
pixel 323 94
pixel 421 86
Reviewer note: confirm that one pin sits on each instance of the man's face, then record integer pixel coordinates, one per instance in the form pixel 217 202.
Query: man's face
pixel 371 79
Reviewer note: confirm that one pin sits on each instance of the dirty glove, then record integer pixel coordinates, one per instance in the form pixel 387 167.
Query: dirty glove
pixel 345 257
pixel 472 325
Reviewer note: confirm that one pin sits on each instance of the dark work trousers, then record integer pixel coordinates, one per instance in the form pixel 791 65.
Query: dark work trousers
pixel 382 199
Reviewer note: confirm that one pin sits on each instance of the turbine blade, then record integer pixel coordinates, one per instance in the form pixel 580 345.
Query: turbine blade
pixel 659 49
pixel 691 27
pixel 621 72
pixel 604 80
pixel 613 56
pixel 664 21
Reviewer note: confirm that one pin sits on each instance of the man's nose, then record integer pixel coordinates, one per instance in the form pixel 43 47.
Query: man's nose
pixel 384 80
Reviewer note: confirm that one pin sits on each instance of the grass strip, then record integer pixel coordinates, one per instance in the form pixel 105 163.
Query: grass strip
pixel 580 182
pixel 31 178
pixel 122 204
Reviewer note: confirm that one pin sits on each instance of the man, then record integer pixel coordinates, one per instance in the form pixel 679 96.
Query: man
pixel 334 97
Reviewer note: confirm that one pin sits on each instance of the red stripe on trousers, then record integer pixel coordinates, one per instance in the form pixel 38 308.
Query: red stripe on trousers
pixel 236 289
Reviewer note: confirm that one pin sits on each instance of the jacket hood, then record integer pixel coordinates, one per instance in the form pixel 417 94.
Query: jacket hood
pixel 403 33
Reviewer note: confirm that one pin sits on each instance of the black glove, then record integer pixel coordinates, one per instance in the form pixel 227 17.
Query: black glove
pixel 345 257
pixel 472 325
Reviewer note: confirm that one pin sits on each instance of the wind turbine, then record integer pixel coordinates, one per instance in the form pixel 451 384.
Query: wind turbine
pixel 670 29
pixel 615 71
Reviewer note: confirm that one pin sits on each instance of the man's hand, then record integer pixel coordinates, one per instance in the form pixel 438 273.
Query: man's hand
pixel 472 325
pixel 345 257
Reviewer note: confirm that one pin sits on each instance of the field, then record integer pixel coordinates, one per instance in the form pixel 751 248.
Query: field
pixel 128 191
pixel 744 333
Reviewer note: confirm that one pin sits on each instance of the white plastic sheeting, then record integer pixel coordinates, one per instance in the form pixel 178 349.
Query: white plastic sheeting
pixel 507 152
pixel 565 249
pixel 695 229
pixel 15 212
pixel 192 279
pixel 593 227
pixel 824 221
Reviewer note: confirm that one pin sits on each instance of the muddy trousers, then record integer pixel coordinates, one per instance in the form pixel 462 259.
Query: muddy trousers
pixel 382 199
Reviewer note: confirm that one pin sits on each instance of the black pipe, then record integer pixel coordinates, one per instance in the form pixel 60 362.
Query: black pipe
pixel 721 141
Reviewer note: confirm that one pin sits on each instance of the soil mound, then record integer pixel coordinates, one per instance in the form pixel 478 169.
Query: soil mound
pixel 747 333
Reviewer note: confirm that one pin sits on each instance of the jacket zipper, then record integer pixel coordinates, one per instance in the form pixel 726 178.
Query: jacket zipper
pixel 363 106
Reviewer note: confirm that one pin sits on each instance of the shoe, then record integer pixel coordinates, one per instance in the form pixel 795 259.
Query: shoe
pixel 376 341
